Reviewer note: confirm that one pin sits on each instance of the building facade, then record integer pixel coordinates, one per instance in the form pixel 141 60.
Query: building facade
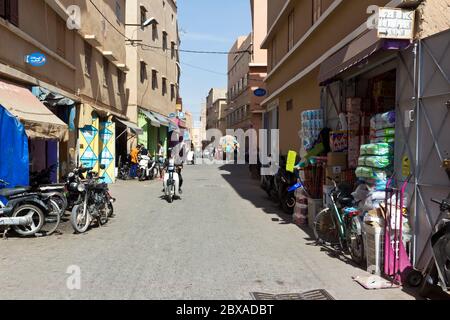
pixel 84 74
pixel 247 68
pixel 214 101
pixel 302 35
pixel 153 79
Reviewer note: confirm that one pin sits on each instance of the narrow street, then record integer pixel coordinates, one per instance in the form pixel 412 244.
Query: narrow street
pixel 223 240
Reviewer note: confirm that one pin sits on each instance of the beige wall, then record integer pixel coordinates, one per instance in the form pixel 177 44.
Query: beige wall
pixel 433 17
pixel 213 99
pixel 142 94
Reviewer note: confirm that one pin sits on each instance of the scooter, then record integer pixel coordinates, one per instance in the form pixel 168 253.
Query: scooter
pixel 147 168
pixel 171 182
pixel 24 212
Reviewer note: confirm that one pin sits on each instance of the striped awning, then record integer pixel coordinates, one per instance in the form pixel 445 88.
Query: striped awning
pixel 153 120
pixel 162 119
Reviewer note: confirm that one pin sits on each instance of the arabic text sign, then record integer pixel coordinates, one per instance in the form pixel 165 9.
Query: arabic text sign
pixel 396 23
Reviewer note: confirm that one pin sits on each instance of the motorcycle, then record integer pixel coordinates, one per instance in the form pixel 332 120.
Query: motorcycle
pixel 93 204
pixel 40 182
pixel 286 198
pixel 124 170
pixel 28 213
pixel 268 183
pixel 148 169
pixel 171 182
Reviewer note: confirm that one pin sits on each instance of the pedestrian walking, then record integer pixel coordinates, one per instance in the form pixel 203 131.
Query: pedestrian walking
pixel 161 159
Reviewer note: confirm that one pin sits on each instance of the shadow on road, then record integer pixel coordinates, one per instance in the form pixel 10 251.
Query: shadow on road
pixel 248 189
pixel 239 178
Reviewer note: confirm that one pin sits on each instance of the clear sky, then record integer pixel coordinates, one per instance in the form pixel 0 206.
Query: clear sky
pixel 208 25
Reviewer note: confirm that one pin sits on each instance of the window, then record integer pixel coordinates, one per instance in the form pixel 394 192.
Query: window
pixel 172 92
pixel 105 71
pixel 164 86
pixel 120 81
pixel 61 38
pixel 143 71
pixel 143 15
pixel 289 105
pixel 154 79
pixel 317 10
pixel 291 30
pixel 164 40
pixel 154 32
pixel 172 50
pixel 118 13
pixel 87 58
pixel 9 10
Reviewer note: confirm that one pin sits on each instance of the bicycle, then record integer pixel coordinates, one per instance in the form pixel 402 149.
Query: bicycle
pixel 339 229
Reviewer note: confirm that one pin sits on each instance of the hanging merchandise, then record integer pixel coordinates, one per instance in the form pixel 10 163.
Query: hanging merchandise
pixel 312 124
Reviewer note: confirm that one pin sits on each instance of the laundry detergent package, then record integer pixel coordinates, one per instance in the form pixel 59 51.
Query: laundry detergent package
pixel 383 120
pixel 371 173
pixel 379 162
pixel 388 132
pixel 376 149
pixel 388 139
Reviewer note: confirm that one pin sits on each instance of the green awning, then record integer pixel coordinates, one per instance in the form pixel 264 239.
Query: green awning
pixel 153 120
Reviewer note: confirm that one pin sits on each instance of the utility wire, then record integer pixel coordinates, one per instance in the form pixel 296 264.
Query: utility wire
pixel 156 47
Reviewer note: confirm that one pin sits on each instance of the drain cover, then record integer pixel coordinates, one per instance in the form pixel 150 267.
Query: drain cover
pixel 310 295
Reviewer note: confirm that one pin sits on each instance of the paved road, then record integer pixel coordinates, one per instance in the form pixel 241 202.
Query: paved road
pixel 222 241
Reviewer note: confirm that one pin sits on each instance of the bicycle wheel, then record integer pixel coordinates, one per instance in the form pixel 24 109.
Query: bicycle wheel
pixel 51 220
pixel 36 217
pixel 325 230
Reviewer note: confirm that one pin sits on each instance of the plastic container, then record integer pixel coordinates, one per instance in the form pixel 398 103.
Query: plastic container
pixel 374 248
pixel 314 207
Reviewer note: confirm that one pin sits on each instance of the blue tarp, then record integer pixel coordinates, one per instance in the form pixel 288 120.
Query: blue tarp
pixel 13 150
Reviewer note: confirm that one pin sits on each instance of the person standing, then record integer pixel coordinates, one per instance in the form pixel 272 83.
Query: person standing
pixel 160 156
pixel 134 161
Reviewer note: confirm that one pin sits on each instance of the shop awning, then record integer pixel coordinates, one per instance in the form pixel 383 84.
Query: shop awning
pixel 153 121
pixel 355 52
pixel 162 119
pixel 133 127
pixel 38 120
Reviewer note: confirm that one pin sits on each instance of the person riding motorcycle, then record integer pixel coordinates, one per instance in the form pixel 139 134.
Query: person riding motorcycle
pixel 178 165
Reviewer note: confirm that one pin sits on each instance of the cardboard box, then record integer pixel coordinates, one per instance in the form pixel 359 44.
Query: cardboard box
pixel 353 104
pixel 336 173
pixel 337 159
pixel 338 141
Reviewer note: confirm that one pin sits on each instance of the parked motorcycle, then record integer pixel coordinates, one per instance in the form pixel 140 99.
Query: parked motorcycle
pixel 147 169
pixel 171 182
pixel 268 183
pixel 93 204
pixel 284 181
pixel 28 213
pixel 124 170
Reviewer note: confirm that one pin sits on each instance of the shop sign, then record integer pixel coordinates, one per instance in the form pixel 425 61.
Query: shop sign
pixel 260 92
pixel 36 59
pixel 396 23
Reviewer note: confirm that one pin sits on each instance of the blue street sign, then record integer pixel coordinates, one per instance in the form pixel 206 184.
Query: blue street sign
pixel 36 59
pixel 260 92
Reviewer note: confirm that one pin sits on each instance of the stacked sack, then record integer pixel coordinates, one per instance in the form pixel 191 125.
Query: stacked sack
pixel 312 125
pixel 382 128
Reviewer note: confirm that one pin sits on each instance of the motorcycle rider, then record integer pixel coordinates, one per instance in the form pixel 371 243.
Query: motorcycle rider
pixel 178 165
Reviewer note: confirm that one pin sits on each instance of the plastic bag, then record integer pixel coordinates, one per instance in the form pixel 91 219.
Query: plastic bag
pixel 376 149
pixel 371 173
pixel 379 162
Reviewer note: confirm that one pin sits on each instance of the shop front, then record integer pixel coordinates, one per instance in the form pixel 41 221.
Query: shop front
pixel 156 128
pixel 43 129
pixel 386 139
pixel 96 141
pixel 125 131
